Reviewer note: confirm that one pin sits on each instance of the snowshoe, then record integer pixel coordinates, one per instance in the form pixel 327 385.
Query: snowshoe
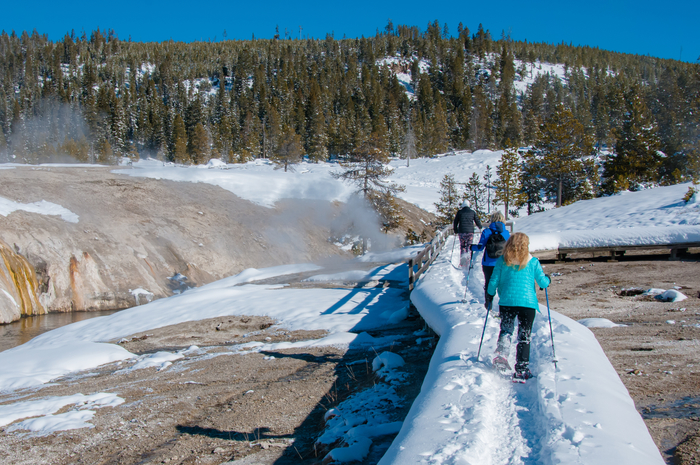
pixel 521 375
pixel 501 364
pixel 463 261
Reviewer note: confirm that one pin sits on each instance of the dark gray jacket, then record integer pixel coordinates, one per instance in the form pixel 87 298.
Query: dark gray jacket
pixel 464 221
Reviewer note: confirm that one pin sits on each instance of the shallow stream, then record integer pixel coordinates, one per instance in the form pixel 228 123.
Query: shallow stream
pixel 21 331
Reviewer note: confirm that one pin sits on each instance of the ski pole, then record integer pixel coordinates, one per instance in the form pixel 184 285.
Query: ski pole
pixel 551 334
pixel 466 286
pixel 453 247
pixel 488 310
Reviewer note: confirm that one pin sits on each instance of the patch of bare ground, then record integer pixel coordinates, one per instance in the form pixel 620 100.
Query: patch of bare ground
pixel 214 406
pixel 657 353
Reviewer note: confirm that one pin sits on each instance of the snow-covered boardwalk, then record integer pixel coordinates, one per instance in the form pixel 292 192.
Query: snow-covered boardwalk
pixel 467 413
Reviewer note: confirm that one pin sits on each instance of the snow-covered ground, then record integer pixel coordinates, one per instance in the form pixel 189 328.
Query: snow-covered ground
pixel 579 412
pixel 648 217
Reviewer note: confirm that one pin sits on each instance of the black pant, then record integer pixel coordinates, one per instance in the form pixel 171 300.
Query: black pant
pixel 525 316
pixel 488 271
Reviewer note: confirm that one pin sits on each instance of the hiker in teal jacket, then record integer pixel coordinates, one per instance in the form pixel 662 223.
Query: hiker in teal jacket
pixel 514 277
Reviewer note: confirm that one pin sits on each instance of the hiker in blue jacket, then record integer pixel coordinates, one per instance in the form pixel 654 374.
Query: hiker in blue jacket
pixel 489 259
pixel 514 277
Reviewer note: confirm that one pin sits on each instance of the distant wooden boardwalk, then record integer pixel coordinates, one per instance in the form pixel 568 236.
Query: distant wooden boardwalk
pixel 615 252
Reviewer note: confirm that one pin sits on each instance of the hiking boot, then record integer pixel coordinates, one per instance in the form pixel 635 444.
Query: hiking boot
pixel 521 374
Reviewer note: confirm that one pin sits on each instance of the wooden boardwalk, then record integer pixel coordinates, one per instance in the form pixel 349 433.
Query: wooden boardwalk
pixel 615 252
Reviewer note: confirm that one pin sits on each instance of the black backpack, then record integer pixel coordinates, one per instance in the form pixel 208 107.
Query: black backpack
pixel 495 245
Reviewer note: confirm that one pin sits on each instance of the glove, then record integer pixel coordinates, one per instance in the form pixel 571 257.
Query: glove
pixel 474 247
pixel 488 303
pixel 550 280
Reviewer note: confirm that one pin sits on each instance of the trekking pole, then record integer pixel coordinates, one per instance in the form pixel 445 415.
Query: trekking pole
pixel 551 334
pixel 471 265
pixel 466 286
pixel 453 247
pixel 488 310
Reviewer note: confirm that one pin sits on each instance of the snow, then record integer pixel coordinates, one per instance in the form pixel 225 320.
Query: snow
pixel 579 412
pixel 423 175
pixel 650 217
pixel 256 181
pixel 42 420
pixel 41 207
pixel 599 323
pixel 388 361
pixel 671 295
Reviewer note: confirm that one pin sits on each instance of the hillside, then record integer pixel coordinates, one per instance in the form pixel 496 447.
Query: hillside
pixel 122 241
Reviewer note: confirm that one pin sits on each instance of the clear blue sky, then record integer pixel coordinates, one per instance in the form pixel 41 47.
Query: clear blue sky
pixel 657 28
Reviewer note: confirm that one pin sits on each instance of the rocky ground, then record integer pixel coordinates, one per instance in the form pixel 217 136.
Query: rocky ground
pixel 214 406
pixel 657 353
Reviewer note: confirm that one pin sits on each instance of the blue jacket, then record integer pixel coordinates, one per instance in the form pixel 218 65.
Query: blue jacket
pixel 485 234
pixel 516 288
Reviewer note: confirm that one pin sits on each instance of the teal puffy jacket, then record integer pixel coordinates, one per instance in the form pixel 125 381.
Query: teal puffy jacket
pixel 516 288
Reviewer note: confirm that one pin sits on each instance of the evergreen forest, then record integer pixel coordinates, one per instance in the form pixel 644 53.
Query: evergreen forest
pixel 94 97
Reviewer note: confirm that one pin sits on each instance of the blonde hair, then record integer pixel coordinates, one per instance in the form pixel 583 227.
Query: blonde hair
pixel 497 216
pixel 517 250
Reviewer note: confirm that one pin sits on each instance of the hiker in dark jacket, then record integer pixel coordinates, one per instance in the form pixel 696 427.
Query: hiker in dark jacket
pixel 487 263
pixel 464 228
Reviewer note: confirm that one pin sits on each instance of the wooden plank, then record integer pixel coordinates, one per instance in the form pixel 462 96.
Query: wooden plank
pixel 622 248
pixel 617 251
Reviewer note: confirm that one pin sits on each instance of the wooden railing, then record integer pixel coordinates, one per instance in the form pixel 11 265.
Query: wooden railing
pixel 418 264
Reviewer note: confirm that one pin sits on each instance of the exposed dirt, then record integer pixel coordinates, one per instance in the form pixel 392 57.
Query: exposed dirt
pixel 214 406
pixel 657 354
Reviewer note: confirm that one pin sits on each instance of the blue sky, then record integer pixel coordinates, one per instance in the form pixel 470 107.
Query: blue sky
pixel 663 29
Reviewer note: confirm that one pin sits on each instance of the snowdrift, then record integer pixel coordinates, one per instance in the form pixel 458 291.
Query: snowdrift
pixel 650 217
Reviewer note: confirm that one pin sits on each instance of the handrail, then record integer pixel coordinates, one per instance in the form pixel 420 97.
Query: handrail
pixel 426 257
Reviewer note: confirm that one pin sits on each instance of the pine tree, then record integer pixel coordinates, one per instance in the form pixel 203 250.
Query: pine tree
pixel 474 192
pixel 199 145
pixel 563 157
pixel 366 170
pixel 317 136
pixel 508 186
pixel 507 114
pixel 636 160
pixel 104 152
pixel 3 144
pixel 409 145
pixel 449 200
pixel 288 150
pixel 532 184
pixel 179 150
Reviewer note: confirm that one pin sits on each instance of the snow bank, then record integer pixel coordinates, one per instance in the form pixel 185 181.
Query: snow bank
pixel 468 413
pixel 599 323
pixel 42 207
pixel 42 420
pixel 650 217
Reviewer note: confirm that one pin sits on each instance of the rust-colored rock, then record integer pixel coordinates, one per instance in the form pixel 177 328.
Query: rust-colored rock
pixel 18 286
